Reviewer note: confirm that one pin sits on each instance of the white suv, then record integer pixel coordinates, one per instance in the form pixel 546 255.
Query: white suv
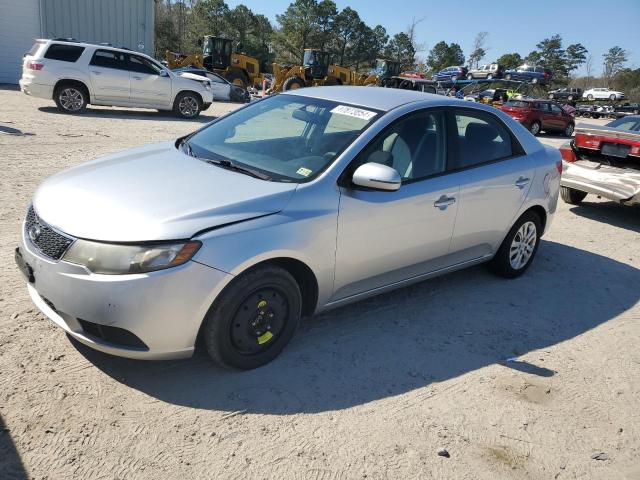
pixel 75 74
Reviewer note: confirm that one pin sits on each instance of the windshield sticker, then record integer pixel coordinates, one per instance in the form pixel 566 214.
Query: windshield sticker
pixel 353 112
pixel 305 172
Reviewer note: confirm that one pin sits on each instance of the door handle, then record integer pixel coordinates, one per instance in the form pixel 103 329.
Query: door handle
pixel 443 202
pixel 522 182
pixel 136 77
pixel 95 73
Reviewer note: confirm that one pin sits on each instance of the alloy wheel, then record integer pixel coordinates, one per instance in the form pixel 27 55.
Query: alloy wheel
pixel 523 245
pixel 71 99
pixel 188 106
pixel 535 128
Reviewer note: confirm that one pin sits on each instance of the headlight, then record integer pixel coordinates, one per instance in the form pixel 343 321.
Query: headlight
pixel 111 259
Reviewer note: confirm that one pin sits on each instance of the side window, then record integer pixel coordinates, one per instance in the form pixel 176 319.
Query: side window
pixel 545 107
pixel 555 108
pixel 109 59
pixel 215 78
pixel 65 53
pixel 142 65
pixel 415 146
pixel 481 138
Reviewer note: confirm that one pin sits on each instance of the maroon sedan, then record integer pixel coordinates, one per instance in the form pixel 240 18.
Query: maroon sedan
pixel 539 115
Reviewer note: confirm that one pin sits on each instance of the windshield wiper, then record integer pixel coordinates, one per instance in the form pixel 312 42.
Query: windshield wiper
pixel 229 165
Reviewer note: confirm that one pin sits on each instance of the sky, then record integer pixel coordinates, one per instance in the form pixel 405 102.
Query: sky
pixel 597 24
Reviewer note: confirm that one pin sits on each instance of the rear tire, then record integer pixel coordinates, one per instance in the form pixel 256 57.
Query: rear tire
pixel 568 132
pixel 612 98
pixel 519 247
pixel 535 128
pixel 253 319
pixel 237 78
pixel 590 97
pixel 71 98
pixel 534 81
pixel 470 76
pixel 572 196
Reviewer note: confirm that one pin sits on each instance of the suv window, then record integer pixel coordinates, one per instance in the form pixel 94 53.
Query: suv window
pixel 545 107
pixel 555 108
pixel 65 53
pixel 416 146
pixel 142 65
pixel 481 138
pixel 109 59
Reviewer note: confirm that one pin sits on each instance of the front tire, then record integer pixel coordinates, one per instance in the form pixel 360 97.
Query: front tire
pixel 470 76
pixel 568 131
pixel 71 98
pixel 187 105
pixel 572 196
pixel 612 98
pixel 590 97
pixel 519 247
pixel 253 319
pixel 293 83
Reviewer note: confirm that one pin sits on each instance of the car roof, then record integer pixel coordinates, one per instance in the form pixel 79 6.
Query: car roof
pixel 100 46
pixel 384 99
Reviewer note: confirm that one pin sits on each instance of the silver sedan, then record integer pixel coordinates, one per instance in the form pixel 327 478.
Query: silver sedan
pixel 284 208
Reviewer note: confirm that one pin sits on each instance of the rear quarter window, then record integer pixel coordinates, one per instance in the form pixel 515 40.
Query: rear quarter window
pixel 34 49
pixel 65 53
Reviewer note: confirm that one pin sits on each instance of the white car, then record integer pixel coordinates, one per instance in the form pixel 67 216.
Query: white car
pixel 223 89
pixel 602 93
pixel 75 74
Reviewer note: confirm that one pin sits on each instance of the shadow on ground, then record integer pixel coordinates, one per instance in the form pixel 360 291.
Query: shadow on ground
pixel 126 114
pixel 622 216
pixel 11 467
pixel 397 342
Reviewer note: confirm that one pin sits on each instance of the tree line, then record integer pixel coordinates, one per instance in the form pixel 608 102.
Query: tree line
pixel 353 43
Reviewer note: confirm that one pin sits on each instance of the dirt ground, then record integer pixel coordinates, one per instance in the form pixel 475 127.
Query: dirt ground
pixel 371 390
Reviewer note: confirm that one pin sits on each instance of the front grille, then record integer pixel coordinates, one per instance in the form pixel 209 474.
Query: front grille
pixel 51 243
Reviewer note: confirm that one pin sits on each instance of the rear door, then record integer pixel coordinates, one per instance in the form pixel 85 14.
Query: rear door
pixel 109 74
pixel 148 87
pixel 495 177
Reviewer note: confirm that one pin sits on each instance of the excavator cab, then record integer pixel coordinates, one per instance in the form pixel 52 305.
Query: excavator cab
pixel 386 68
pixel 216 53
pixel 316 63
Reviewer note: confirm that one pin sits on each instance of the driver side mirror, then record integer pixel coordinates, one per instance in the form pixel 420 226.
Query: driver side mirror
pixel 163 73
pixel 377 176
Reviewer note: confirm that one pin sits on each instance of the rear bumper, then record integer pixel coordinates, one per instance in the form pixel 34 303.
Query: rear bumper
pixel 36 89
pixel 620 185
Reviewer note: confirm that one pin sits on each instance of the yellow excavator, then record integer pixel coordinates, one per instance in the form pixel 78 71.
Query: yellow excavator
pixel 315 71
pixel 383 70
pixel 218 56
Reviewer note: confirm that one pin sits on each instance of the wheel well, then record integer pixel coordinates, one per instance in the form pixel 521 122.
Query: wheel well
pixel 541 212
pixel 190 91
pixel 76 83
pixel 305 278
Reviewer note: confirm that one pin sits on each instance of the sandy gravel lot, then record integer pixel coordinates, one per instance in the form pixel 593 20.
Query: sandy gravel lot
pixel 372 390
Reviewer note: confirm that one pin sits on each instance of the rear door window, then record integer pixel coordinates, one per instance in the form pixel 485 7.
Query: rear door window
pixel 109 59
pixel 64 53
pixel 481 138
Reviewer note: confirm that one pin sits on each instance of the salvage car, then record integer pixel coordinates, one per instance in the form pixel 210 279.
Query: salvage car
pixel 627 108
pixel 529 73
pixel 450 74
pixel 223 89
pixel 568 94
pixel 604 161
pixel 603 94
pixel 488 71
pixel 540 115
pixel 289 206
pixel 75 74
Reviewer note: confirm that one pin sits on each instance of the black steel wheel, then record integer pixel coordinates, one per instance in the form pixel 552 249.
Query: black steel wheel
pixel 253 319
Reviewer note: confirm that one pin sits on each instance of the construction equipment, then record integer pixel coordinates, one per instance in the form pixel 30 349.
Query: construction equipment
pixel 218 56
pixel 382 73
pixel 315 71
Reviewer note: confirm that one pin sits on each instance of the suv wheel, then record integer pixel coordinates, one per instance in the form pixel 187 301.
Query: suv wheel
pixel 534 128
pixel 572 196
pixel 568 131
pixel 187 105
pixel 253 319
pixel 71 98
pixel 469 76
pixel 590 97
pixel 612 97
pixel 519 247
pixel 507 76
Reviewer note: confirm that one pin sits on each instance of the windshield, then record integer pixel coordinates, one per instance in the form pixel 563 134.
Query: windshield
pixel 380 68
pixel 625 123
pixel 290 138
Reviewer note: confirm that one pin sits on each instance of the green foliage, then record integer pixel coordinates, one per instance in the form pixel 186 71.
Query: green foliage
pixel 510 60
pixel 400 49
pixel 443 55
pixel 551 54
pixel 628 80
pixel 614 61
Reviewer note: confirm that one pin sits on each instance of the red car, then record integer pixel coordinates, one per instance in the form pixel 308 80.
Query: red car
pixel 539 115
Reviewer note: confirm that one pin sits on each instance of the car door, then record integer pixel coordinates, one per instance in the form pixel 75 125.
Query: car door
pixel 546 117
pixel 150 85
pixel 109 77
pixel 220 87
pixel 558 119
pixel 495 177
pixel 386 237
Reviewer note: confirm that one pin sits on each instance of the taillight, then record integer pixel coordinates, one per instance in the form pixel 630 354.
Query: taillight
pixel 568 154
pixel 34 65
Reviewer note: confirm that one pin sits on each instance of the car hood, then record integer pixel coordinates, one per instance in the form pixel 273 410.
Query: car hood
pixel 154 192
pixel 193 76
